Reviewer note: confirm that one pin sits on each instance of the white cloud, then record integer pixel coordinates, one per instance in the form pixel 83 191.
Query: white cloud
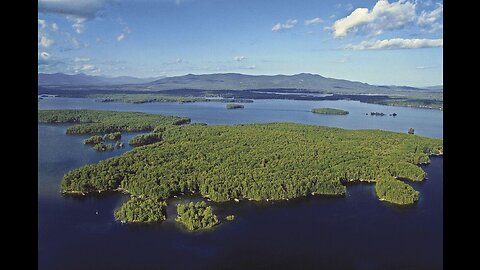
pixel 430 20
pixel 54 27
pixel 45 42
pixel 80 8
pixel 383 16
pixel 120 37
pixel 44 55
pixel 81 59
pixel 251 67
pixel 424 67
pixel 76 11
pixel 396 43
pixel 289 24
pixel 42 23
pixel 313 21
pixel 77 23
pixel 239 58
pixel 87 68
pixel 178 60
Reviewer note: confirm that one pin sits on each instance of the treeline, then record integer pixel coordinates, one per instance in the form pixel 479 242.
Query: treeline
pixel 155 97
pixel 94 121
pixel 137 210
pixel 196 216
pixel 274 161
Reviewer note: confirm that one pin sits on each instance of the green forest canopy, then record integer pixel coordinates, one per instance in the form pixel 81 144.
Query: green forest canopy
pixel 138 210
pixel 274 161
pixel 196 216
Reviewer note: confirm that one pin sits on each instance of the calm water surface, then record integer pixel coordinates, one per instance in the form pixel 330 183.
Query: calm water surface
pixel 352 232
pixel 425 122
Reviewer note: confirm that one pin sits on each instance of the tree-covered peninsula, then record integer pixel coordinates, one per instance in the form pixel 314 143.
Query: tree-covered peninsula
pixel 95 121
pixel 329 111
pixel 196 216
pixel 145 139
pixel 274 161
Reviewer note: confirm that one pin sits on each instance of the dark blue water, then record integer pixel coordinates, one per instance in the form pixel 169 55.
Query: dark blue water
pixel 352 232
pixel 425 122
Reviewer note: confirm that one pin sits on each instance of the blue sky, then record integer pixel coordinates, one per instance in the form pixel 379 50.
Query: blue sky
pixel 378 42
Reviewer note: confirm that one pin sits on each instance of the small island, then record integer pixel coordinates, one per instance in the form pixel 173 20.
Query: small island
pixel 101 147
pixel 196 216
pixel 230 218
pixel 95 139
pixel 329 111
pixel 114 136
pixel 231 106
pixel 138 210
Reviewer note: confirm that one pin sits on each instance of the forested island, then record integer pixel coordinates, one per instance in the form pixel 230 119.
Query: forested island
pixel 196 216
pixel 137 210
pixel 329 111
pixel 95 139
pixel 234 106
pixel 101 147
pixel 114 136
pixel 274 161
pixel 95 121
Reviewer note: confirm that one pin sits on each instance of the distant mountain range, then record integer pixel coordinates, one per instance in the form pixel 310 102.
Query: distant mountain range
pixel 83 79
pixel 224 81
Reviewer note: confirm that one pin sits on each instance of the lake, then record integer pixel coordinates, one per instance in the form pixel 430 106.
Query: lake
pixel 353 232
pixel 426 122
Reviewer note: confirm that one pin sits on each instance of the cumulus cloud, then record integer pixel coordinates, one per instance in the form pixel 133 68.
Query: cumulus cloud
pixel 76 11
pixel 289 24
pixel 430 19
pixel 383 16
pixel 120 37
pixel 45 42
pixel 239 58
pixel 313 21
pixel 396 43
